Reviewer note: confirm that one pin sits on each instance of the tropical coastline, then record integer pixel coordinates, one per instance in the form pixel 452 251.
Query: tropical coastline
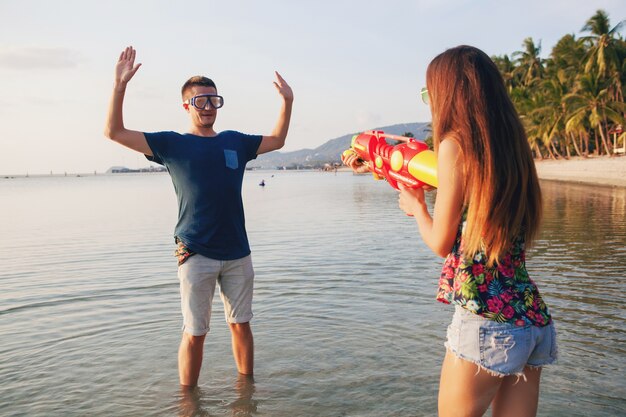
pixel 598 170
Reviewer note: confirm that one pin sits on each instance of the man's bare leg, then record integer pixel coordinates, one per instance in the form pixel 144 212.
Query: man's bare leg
pixel 243 347
pixel 190 359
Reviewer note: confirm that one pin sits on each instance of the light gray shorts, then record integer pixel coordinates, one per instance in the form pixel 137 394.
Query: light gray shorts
pixel 198 276
pixel 500 348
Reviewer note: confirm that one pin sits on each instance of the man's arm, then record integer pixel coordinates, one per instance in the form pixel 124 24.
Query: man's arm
pixel 114 129
pixel 277 139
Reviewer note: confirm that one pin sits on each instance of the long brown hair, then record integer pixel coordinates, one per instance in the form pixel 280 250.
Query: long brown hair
pixel 470 106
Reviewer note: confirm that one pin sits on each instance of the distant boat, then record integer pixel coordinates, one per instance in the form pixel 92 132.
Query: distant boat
pixel 262 183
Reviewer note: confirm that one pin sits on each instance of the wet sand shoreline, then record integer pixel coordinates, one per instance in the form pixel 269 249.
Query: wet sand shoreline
pixel 599 170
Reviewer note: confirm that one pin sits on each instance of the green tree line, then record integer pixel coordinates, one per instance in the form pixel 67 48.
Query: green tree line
pixel 571 103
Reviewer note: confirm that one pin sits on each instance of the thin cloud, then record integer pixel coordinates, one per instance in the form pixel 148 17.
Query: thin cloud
pixel 40 58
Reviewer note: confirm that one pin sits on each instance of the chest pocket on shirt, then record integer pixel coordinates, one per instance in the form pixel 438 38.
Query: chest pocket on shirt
pixel 232 161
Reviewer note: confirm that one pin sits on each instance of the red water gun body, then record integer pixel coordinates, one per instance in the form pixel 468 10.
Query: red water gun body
pixel 410 163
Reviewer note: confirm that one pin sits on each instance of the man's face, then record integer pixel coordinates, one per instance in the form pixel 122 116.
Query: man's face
pixel 204 118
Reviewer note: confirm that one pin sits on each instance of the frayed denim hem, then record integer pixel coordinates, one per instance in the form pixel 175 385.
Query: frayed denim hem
pixel 480 367
pixel 552 361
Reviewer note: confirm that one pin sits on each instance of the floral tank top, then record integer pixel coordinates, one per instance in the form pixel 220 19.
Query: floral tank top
pixel 503 293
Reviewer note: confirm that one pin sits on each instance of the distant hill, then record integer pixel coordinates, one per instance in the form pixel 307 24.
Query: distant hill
pixel 125 170
pixel 330 151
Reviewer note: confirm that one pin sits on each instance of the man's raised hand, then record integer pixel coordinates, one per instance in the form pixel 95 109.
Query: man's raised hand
pixel 126 68
pixel 283 88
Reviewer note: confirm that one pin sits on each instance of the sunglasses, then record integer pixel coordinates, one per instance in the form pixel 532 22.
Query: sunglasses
pixel 424 94
pixel 201 101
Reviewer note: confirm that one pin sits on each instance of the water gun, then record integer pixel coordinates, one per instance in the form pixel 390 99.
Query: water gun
pixel 410 163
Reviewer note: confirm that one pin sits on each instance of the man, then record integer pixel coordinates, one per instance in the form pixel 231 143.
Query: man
pixel 207 170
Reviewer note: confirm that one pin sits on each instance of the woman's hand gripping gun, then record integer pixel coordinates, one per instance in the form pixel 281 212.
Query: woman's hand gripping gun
pixel 410 163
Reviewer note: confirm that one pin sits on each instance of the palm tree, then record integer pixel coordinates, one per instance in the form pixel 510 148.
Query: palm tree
pixel 562 106
pixel 567 55
pixel 429 139
pixel 603 50
pixel 550 114
pixel 535 138
pixel 529 63
pixel 591 103
pixel 562 69
pixel 527 101
pixel 506 68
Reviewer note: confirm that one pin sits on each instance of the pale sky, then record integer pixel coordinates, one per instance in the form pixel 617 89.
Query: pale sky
pixel 353 65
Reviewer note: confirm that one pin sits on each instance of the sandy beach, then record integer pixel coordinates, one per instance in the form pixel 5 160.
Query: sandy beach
pixel 600 170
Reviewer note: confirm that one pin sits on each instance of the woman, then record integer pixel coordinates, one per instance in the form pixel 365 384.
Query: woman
pixel 488 207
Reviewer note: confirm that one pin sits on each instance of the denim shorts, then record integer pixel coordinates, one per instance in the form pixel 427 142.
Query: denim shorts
pixel 500 348
pixel 198 276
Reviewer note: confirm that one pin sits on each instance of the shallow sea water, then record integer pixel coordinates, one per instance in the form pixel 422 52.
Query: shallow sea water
pixel 345 318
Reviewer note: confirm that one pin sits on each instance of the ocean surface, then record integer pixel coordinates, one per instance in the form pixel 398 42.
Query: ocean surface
pixel 345 318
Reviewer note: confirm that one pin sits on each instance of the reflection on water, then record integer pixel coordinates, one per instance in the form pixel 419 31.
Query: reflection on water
pixel 194 402
pixel 244 405
pixel 345 318
pixel 190 403
pixel 581 261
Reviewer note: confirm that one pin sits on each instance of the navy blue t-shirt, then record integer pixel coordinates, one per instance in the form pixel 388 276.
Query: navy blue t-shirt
pixel 207 173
